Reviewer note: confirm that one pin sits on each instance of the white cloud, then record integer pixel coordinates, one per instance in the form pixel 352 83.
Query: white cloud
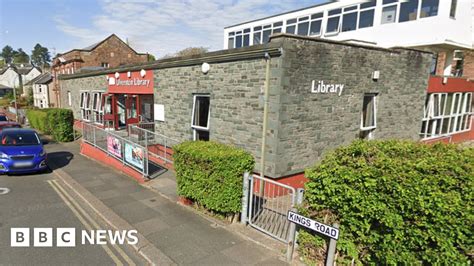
pixel 165 26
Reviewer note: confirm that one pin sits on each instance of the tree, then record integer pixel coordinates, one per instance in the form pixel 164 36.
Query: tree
pixel 21 57
pixel 192 51
pixel 8 53
pixel 151 58
pixel 188 52
pixel 40 56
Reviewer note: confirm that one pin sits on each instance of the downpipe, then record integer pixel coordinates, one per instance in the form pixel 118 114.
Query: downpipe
pixel 265 120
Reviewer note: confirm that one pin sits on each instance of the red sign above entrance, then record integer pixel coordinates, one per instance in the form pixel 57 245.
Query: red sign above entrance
pixel 137 82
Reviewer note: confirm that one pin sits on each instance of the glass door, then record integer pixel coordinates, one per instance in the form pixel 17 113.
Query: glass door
pixel 120 121
pixel 132 109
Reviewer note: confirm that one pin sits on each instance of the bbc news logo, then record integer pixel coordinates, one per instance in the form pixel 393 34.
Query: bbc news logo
pixel 66 237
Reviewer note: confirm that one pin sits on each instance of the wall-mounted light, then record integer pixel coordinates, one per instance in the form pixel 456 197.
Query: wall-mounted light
pixel 117 75
pixel 445 80
pixel 142 73
pixel 129 74
pixel 205 68
pixel 376 75
pixel 107 77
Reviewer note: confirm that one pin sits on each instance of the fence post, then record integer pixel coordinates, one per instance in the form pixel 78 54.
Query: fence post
pixel 332 249
pixel 93 132
pixel 166 151
pixel 245 199
pixel 291 240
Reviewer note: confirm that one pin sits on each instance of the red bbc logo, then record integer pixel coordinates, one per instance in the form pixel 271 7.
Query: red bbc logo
pixel 43 237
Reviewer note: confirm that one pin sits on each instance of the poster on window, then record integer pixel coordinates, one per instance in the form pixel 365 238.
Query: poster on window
pixel 134 155
pixel 114 146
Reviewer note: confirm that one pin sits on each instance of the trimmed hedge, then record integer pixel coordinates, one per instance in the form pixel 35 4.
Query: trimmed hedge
pixel 54 121
pixel 396 202
pixel 211 174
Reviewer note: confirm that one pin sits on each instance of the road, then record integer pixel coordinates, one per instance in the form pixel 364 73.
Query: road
pixel 41 200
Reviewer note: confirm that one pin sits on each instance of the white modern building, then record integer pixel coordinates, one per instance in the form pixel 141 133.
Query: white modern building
pixel 440 26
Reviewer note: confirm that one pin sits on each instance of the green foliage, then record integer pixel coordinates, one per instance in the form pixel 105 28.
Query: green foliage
pixel 8 53
pixel 396 202
pixel 40 56
pixel 211 173
pixel 60 123
pixel 37 119
pixel 55 121
pixel 21 57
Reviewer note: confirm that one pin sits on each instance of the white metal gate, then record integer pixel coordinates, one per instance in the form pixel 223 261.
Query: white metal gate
pixel 268 206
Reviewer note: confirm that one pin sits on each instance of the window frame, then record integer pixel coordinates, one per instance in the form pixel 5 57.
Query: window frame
pixel 455 117
pixel 195 96
pixel 338 29
pixel 374 126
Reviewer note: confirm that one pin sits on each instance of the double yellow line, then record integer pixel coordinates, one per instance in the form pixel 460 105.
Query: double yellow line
pixel 88 222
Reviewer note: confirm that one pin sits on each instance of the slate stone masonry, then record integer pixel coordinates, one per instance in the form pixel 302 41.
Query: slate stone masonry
pixel 302 126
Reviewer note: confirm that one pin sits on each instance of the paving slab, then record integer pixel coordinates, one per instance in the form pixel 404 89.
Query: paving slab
pixel 180 233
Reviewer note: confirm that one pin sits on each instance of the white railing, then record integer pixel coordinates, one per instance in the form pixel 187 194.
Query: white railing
pixel 125 150
pixel 158 145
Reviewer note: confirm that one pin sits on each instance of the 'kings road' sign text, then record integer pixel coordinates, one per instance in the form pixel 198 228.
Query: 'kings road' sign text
pixel 313 225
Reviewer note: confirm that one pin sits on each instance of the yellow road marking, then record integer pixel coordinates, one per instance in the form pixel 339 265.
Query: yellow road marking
pixel 93 222
pixel 83 221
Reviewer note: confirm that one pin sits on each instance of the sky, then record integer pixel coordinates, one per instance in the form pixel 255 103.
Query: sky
pixel 159 27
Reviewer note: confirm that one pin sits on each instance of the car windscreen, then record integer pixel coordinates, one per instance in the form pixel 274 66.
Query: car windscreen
pixel 16 138
pixel 3 118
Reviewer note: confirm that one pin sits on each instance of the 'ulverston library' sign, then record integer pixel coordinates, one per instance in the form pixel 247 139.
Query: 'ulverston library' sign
pixel 326 88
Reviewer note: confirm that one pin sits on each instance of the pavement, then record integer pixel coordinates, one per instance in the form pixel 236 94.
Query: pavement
pixel 169 233
pixel 41 201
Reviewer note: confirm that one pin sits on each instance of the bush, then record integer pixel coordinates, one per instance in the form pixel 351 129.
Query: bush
pixel 54 121
pixel 211 174
pixel 37 119
pixel 396 202
pixel 60 124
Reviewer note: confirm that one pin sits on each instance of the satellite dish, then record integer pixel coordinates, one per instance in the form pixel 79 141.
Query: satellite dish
pixel 205 68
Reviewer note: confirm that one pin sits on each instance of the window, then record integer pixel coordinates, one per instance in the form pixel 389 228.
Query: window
pixel 316 22
pixel 366 15
pixel 389 14
pixel 85 106
pixel 239 39
pixel 333 21
pixel 201 117
pixel 452 11
pixel 230 44
pixel 261 34
pixel 39 88
pixel 69 98
pixel 303 26
pixel 267 32
pixel 369 112
pixel 105 65
pixel 408 10
pixel 446 113
pixel 429 8
pixel 349 20
pixel 291 26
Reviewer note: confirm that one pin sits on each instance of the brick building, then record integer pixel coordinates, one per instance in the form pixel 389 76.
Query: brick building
pixel 109 53
pixel 321 94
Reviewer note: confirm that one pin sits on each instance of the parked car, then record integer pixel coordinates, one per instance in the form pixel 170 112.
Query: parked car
pixel 8 124
pixel 21 151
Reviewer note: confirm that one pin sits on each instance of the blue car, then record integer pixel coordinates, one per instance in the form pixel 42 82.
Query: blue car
pixel 21 151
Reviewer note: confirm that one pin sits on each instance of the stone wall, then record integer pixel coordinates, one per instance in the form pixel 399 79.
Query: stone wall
pixel 75 86
pixel 236 102
pixel 311 124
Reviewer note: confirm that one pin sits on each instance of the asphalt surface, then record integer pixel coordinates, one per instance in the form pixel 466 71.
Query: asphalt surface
pixel 40 200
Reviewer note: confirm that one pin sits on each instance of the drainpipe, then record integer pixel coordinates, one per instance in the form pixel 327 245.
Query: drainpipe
pixel 265 118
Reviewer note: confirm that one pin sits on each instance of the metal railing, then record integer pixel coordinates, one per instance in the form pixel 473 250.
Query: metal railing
pixel 127 151
pixel 158 145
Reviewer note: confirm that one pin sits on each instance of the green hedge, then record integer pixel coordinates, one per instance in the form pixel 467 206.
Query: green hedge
pixel 37 119
pixel 54 121
pixel 396 202
pixel 211 173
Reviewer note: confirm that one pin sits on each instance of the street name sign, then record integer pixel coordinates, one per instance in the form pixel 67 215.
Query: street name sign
pixel 313 225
